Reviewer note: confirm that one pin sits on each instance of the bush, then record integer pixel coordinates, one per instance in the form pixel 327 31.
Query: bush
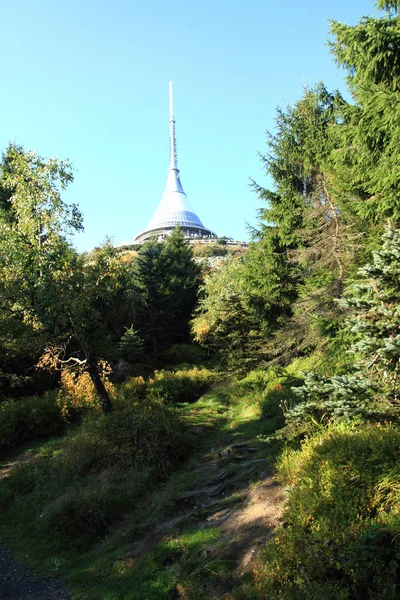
pixel 133 436
pixel 342 534
pixel 258 379
pixel 25 419
pixel 98 470
pixel 133 388
pixel 180 386
pixel 185 385
pixel 207 250
pixel 77 393
pixel 88 511
pixel 271 389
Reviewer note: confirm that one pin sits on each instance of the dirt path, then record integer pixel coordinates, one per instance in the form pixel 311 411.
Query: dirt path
pixel 246 514
pixel 252 514
pixel 17 582
pixel 227 489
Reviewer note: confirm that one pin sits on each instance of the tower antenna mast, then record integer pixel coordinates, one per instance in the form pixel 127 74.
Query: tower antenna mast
pixel 173 154
pixel 174 208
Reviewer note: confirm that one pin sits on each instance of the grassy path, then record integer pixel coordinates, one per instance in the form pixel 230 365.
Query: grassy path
pixel 199 534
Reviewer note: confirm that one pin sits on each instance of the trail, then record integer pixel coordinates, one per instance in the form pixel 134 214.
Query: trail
pixel 17 582
pixel 236 492
pixel 227 485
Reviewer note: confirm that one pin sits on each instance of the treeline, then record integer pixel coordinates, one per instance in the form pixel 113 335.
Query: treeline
pixel 61 310
pixel 320 284
pixel 334 164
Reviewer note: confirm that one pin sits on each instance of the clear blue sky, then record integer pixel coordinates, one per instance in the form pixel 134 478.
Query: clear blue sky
pixel 88 80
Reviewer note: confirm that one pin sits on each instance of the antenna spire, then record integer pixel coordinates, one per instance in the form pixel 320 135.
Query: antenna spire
pixel 173 156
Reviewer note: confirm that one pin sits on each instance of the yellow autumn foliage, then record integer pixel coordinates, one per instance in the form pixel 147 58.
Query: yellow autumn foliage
pixel 77 392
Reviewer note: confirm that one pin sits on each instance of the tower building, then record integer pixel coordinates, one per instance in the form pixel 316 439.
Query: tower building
pixel 174 208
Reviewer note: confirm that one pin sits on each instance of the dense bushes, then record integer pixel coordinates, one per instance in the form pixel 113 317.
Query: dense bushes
pixel 45 416
pixel 140 434
pixel 342 523
pixel 77 394
pixel 29 418
pixel 81 486
pixel 179 386
pixel 207 250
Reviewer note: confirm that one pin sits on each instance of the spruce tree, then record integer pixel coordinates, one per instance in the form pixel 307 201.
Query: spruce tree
pixel 371 386
pixel 376 320
pixel 366 159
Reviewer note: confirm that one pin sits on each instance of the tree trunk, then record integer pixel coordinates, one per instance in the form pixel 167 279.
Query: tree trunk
pixel 154 339
pixel 104 396
pixel 93 371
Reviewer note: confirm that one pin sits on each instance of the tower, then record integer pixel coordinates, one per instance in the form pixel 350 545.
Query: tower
pixel 174 208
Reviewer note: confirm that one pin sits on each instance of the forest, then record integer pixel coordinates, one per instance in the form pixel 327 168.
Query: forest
pixel 169 430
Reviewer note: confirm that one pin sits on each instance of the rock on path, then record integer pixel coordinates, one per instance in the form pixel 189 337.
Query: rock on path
pixel 18 582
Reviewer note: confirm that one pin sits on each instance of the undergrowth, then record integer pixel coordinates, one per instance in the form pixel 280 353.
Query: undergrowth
pixel 342 522
pixel 183 385
pixel 78 489
pixel 28 418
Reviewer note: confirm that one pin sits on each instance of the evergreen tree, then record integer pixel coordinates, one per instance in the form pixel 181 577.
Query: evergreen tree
pixel 371 383
pixel 165 281
pixel 223 321
pixel 369 136
pixel 375 324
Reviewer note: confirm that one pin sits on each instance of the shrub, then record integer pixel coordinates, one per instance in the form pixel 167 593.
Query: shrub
pixel 77 393
pixel 258 379
pixel 88 512
pixel 98 470
pixel 25 419
pixel 271 389
pixel 342 534
pixel 137 435
pixel 134 388
pixel 206 250
pixel 180 386
pixel 185 385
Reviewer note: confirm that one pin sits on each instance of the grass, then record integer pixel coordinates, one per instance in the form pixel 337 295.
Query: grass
pixel 162 547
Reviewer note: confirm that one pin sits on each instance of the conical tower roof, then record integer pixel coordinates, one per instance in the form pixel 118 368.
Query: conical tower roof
pixel 174 209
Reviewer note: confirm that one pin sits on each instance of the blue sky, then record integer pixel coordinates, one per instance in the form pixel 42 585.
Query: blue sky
pixel 88 80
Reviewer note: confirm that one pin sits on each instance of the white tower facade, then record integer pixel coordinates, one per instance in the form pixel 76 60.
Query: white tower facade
pixel 174 209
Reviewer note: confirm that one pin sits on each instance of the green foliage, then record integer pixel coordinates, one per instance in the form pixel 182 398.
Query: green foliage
pixel 178 354
pixel 165 281
pixel 185 385
pixel 180 386
pixel 369 135
pixel 259 379
pixel 321 400
pixel 270 390
pixel 225 320
pixel 33 221
pixel 29 418
pixel 372 381
pixel 98 472
pixel 138 434
pixel 207 250
pixel 375 324
pixel 341 525
pixel 131 345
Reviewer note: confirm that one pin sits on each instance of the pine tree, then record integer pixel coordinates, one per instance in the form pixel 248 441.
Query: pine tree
pixel 376 321
pixel 165 281
pixel 372 383
pixel 368 142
